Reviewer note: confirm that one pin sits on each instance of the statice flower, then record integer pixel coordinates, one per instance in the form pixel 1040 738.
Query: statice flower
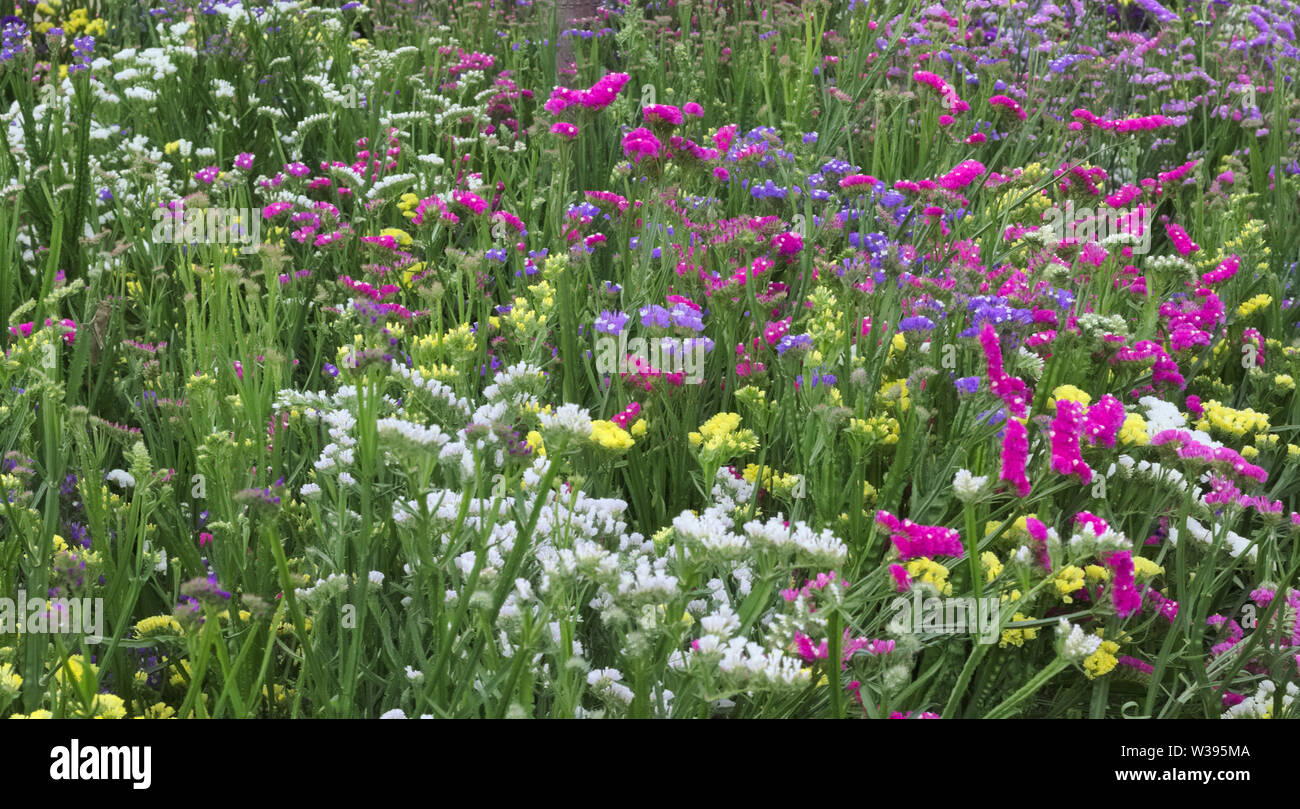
pixel 611 322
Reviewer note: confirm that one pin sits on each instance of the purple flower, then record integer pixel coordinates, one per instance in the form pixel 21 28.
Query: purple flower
pixel 917 323
pixel 654 315
pixel 611 322
pixel 794 342
pixel 967 384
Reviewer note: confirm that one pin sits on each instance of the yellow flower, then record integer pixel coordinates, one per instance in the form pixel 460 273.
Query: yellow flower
pixel 402 237
pixel 159 710
pixel 639 428
pixel 927 570
pixel 1097 573
pixel 992 567
pixel 1253 305
pixel 107 706
pixel 609 435
pixel 1017 637
pixel 534 440
pixel 898 343
pixel 10 681
pixel 1144 568
pixel 1101 661
pixel 1134 431
pixel 1071 394
pixel 172 148
pixel 158 625
pixel 1068 580
pixel 37 714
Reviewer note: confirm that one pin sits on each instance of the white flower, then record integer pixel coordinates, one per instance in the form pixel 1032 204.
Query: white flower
pixel 1078 644
pixel 122 478
pixel 414 675
pixel 966 486
pixel 396 713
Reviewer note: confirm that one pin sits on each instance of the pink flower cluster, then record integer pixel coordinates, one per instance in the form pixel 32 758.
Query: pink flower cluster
pixel 913 540
pixel 1015 456
pixel 951 101
pixel 599 96
pixel 1188 448
pixel 1067 458
pixel 1123 588
pixel 1008 104
pixel 1009 389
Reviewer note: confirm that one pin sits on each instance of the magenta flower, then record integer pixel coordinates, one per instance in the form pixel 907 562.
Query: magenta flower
pixel 913 540
pixel 1015 455
pixel 1067 459
pixel 641 142
pixel 655 114
pixel 564 129
pixel 788 243
pixel 1123 592
pixel 693 109
pixel 244 161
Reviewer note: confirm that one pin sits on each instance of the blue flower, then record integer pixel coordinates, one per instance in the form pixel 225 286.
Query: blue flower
pixel 611 322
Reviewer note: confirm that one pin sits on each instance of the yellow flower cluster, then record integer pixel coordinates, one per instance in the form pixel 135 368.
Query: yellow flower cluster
pixel 720 438
pixel 1101 661
pixel 1070 394
pixel 1254 304
pixel 778 483
pixel 79 20
pixel 1144 568
pixel 878 429
pixel 158 625
pixel 608 435
pixel 1229 420
pixel 895 392
pixel 1284 381
pixel 824 324
pixel 10 681
pixel 991 566
pixel 1017 637
pixel 1068 580
pixel 1096 573
pixel 925 569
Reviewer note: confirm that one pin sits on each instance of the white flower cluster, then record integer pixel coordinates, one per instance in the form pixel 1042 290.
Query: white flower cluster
pixel 1260 704
pixel 121 477
pixel 1237 544
pixel 968 487
pixel 1086 542
pixel 1078 644
pixel 809 548
pixel 608 683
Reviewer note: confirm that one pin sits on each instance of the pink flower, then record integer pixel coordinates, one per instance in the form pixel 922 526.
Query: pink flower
pixel 1008 104
pixel 641 142
pixel 788 243
pixel 913 540
pixel 662 114
pixel 473 202
pixel 564 129
pixel 204 538
pixel 244 161
pixel 902 580
pixel 854 180
pixel 691 108
pixel 1067 458
pixel 1103 421
pixel 1123 589
pixel 1015 455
